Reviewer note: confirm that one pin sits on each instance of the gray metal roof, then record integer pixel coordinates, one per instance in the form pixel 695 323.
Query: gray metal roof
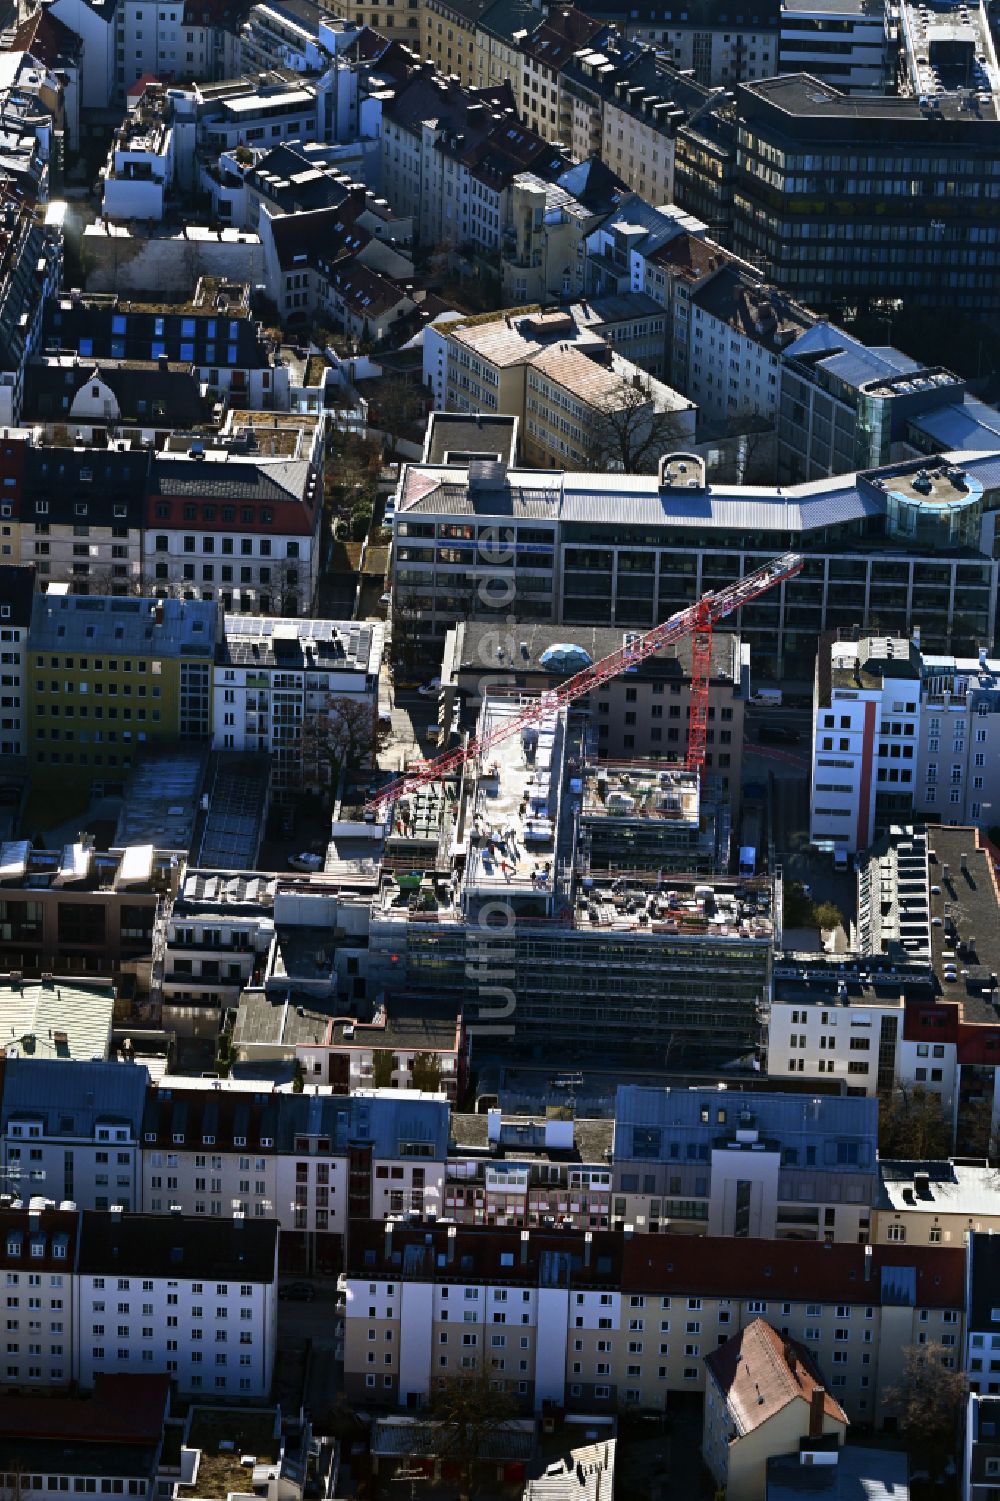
pixel 665 1116
pixel 618 499
pixel 71 1100
pixel 859 1475
pixel 118 626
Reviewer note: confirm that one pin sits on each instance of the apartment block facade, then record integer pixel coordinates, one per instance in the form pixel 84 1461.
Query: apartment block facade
pixel 232 526
pixel 592 1320
pixel 767 1166
pixel 896 733
pixel 145 677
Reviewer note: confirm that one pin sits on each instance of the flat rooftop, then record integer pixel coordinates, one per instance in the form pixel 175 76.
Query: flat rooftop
pixel 224 1436
pixel 514 820
pixel 965 896
pixel 938 1187
pixel 894 916
pixel 935 488
pixel 867 662
pixel 453 438
pixel 523 1138
pixel 161 799
pixel 661 794
pixel 716 908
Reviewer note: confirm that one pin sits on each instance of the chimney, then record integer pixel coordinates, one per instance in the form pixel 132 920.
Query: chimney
pixel 116 1214
pixel 588 1247
pixel 525 1240
pixel 452 1237
pixel 817 1403
pixel 868 1263
pixel 387 1240
pixel 494 1118
pixel 963 861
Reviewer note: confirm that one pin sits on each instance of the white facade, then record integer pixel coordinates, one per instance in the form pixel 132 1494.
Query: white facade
pixel 930 747
pixel 156 38
pixel 216 1182
pixel 39 1307
pixel 864 745
pixel 13 685
pixel 208 959
pixel 729 374
pixel 96 1173
pixel 809 1038
pixel 243 571
pixel 95 22
pixel 139 174
pixel 844 43
pixel 263 699
pixel 213 1338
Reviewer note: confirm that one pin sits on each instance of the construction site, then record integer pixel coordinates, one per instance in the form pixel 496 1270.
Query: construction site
pixel 569 902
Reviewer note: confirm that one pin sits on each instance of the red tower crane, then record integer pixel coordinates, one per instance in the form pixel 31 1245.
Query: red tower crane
pixel 697 621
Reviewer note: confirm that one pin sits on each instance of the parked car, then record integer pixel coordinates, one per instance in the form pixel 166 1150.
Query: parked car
pixel 305 861
pixel 297 1292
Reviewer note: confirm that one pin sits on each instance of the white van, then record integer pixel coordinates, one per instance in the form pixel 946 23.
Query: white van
pixel 767 698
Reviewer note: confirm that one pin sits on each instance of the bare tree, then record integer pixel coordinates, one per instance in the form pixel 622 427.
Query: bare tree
pixel 627 433
pixel 466 1410
pixel 343 731
pixel 927 1405
pixel 912 1125
pixel 398 402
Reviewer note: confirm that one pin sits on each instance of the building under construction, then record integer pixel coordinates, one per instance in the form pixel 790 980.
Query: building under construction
pixel 571 907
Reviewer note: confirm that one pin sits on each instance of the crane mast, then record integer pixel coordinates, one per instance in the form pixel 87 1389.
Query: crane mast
pixel 697 621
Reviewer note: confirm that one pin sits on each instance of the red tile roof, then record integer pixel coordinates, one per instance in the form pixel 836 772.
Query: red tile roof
pixel 759 1373
pixel 787 1270
pixel 125 1409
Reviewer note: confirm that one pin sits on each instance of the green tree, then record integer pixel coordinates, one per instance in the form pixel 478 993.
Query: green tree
pixel 827 916
pixel 927 1405
pixel 382 1068
pixel 912 1125
pixel 426 1072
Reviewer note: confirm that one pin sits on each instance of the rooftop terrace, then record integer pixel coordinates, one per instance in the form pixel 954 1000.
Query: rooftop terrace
pixel 225 1437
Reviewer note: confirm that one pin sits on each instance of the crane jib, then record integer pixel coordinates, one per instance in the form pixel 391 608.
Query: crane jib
pixel 697 618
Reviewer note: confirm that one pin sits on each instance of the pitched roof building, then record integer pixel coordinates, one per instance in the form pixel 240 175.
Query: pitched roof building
pixel 763 1394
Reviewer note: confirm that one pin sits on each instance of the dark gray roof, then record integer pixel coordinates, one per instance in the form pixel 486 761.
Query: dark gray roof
pixel 455 433
pixel 116 626
pixel 108 483
pixel 230 479
pixel 145 391
pixel 178 1246
pixel 476 644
